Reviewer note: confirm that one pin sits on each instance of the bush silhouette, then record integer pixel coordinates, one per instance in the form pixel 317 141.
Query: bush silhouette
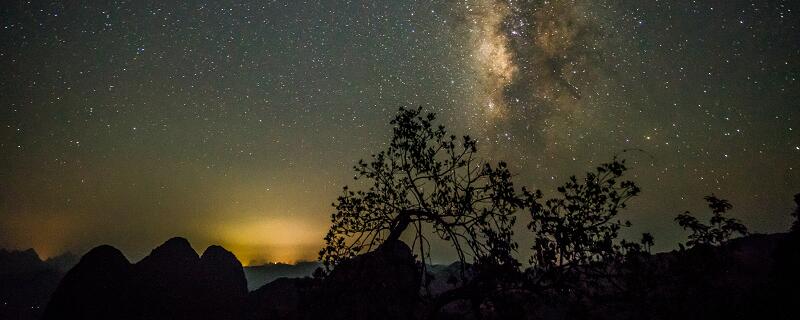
pixel 719 229
pixel 575 235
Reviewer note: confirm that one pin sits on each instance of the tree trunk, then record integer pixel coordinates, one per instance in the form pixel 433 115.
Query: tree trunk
pixel 403 220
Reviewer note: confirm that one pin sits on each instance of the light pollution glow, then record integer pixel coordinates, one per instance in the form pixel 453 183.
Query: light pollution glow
pixel 282 239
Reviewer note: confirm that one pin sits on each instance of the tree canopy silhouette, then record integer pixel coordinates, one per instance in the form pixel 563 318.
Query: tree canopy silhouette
pixel 719 229
pixel 575 234
pixel 432 183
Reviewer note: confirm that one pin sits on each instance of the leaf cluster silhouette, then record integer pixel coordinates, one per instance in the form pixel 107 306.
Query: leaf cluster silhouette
pixel 719 229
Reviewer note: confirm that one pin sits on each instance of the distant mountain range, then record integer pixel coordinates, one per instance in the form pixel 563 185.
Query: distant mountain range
pixel 26 282
pixel 17 261
pixel 258 276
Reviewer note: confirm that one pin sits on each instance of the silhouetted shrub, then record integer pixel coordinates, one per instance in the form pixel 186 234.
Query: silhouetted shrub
pixel 719 229
pixel 575 234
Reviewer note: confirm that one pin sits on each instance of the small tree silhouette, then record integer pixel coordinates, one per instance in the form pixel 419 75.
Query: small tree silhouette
pixel 647 241
pixel 429 180
pixel 575 234
pixel 719 229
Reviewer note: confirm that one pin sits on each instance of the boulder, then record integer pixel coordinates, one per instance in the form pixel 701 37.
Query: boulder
pixel 382 284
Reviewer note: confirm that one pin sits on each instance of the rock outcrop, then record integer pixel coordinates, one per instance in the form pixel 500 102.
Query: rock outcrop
pixel 382 284
pixel 359 288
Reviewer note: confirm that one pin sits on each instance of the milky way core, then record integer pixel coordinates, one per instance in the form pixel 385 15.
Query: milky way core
pixel 493 61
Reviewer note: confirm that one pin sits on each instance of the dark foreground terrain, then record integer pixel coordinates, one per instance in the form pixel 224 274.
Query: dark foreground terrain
pixel 27 281
pixel 755 277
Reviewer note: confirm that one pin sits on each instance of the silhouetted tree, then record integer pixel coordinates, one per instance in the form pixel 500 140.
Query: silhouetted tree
pixel 575 234
pixel 638 279
pixel 647 242
pixel 433 184
pixel 426 178
pixel 719 229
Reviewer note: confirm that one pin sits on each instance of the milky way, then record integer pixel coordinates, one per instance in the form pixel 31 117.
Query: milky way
pixel 492 57
pixel 230 122
pixel 544 58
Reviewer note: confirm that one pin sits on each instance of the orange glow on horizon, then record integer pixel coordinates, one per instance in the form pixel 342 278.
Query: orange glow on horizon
pixel 284 240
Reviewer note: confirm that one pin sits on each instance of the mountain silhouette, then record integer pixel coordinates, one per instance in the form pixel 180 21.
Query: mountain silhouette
pixel 63 262
pixel 164 281
pixel 94 289
pixel 20 261
pixel 172 282
pixel 27 282
pixel 259 275
pixel 224 288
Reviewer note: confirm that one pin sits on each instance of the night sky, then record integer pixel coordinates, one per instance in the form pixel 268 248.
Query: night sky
pixel 238 122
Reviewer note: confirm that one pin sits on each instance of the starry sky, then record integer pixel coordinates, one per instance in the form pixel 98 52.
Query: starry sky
pixel 238 122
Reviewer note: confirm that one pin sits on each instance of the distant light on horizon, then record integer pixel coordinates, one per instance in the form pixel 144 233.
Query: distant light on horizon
pixel 277 240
